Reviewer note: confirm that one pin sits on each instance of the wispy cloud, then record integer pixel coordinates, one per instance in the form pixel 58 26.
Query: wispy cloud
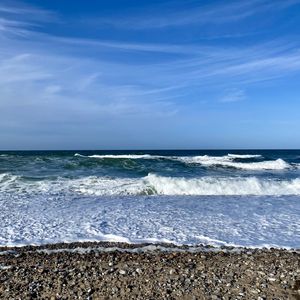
pixel 130 46
pixel 233 95
pixel 194 65
pixel 25 11
pixel 13 27
pixel 109 80
pixel 213 13
pixel 77 83
pixel 19 19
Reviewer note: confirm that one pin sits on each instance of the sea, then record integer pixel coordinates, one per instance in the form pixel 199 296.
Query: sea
pixel 240 198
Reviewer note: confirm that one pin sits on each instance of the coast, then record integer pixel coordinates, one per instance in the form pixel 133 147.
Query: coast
pixel 106 270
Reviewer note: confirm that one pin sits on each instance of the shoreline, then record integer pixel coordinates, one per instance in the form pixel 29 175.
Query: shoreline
pixel 111 270
pixel 95 245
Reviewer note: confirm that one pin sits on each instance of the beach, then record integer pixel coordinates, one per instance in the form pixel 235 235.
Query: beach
pixel 150 149
pixel 108 270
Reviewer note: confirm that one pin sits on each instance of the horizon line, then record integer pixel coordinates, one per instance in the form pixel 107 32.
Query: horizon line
pixel 162 149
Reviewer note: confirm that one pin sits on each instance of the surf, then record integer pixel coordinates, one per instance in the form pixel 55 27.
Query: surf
pixel 152 184
pixel 226 161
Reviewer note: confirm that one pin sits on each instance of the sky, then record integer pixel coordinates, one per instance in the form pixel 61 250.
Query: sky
pixel 137 74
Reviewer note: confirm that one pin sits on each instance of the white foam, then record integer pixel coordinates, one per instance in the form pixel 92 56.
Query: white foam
pixel 3 176
pixel 151 185
pixel 79 155
pixel 207 160
pixel 223 186
pixel 231 221
pixel 244 155
pixel 143 249
pixel 7 179
pixel 121 156
pixel 225 161
pixel 99 186
pixel 149 156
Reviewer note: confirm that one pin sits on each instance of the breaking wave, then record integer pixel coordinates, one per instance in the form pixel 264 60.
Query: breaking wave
pixel 121 156
pixel 278 164
pixel 227 161
pixel 223 186
pixel 244 155
pixel 151 184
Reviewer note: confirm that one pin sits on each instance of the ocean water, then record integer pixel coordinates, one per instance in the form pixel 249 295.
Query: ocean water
pixel 241 198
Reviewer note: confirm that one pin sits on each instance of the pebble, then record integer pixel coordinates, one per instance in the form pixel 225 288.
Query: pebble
pixel 242 274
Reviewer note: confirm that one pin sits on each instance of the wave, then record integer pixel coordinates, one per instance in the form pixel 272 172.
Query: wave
pixel 223 186
pixel 121 156
pixel 244 155
pixel 7 178
pixel 151 184
pixel 227 161
pixel 278 164
pixel 149 156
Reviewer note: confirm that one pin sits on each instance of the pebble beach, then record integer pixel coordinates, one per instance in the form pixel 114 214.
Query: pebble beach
pixel 106 270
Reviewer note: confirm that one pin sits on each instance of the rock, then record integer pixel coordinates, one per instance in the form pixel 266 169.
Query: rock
pixel 228 274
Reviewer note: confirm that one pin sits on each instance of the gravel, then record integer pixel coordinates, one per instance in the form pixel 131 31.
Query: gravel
pixel 122 271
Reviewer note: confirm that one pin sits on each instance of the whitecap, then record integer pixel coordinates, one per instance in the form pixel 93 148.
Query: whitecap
pixel 244 155
pixel 222 186
pixel 278 164
pixel 121 156
pixel 152 184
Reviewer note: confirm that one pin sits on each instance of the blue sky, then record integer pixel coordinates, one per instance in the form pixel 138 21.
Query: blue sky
pixel 124 74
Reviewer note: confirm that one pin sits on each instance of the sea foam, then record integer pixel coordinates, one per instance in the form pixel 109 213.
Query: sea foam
pixel 237 221
pixel 151 184
pixel 227 161
pixel 278 164
pixel 222 186
pixel 244 155
pixel 120 156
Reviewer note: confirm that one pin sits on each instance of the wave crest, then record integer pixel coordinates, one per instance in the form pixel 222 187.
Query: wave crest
pixel 278 164
pixel 227 161
pixel 223 186
pixel 120 156
pixel 152 184
pixel 246 156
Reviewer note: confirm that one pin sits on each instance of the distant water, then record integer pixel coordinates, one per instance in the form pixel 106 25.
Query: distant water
pixel 228 197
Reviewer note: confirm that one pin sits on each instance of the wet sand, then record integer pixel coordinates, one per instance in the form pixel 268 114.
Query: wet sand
pixel 121 271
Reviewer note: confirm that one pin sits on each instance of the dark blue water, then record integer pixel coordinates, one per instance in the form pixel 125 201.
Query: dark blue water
pixel 39 165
